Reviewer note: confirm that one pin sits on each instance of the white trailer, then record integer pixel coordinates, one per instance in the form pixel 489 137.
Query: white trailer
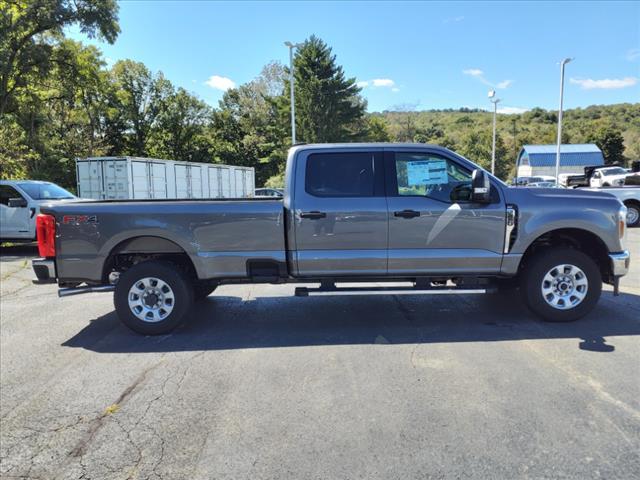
pixel 122 178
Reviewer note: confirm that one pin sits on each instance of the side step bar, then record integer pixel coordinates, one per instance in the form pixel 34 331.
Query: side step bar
pixel 320 291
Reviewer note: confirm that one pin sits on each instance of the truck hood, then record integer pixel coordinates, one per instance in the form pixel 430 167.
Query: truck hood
pixel 572 196
pixel 560 193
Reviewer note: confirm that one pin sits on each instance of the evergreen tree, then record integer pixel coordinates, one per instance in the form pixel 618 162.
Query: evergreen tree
pixel 328 105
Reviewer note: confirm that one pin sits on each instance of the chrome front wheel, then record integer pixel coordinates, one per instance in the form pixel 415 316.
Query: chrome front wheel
pixel 564 286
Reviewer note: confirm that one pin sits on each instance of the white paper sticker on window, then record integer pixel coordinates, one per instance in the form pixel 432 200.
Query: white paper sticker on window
pixel 427 172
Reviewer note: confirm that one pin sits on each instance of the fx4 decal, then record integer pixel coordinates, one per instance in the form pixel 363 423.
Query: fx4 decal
pixel 79 219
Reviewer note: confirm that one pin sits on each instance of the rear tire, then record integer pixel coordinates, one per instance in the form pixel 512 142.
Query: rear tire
pixel 561 284
pixel 153 298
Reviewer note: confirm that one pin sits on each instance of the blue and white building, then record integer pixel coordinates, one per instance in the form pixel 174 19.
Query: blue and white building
pixel 537 160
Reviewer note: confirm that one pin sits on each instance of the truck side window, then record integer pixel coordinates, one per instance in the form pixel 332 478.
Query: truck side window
pixel 340 175
pixel 7 192
pixel 428 175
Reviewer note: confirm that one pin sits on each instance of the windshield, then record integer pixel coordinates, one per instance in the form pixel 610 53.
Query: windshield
pixel 614 171
pixel 45 191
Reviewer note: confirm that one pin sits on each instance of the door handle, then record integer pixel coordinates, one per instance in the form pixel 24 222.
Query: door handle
pixel 313 215
pixel 407 214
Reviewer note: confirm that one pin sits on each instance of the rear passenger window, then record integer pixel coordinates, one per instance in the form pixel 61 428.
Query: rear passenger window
pixel 340 175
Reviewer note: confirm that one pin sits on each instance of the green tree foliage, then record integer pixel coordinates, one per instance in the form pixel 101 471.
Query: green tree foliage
pixel 28 33
pixel 249 129
pixel 611 142
pixel 180 128
pixel 140 98
pixel 328 105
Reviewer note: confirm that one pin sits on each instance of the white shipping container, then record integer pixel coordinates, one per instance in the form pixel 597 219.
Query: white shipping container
pixel 122 178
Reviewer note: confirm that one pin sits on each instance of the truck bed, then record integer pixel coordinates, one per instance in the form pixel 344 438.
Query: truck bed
pixel 219 236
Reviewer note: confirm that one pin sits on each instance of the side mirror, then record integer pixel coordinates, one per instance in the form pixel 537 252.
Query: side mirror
pixel 481 187
pixel 18 202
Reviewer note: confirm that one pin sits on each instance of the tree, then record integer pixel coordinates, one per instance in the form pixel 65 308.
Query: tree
pixel 328 105
pixel 476 146
pixel 611 142
pixel 179 132
pixel 28 30
pixel 249 127
pixel 139 99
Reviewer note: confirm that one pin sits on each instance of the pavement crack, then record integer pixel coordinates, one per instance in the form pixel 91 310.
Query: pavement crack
pixel 81 447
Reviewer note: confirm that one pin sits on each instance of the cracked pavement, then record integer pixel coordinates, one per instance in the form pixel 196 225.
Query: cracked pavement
pixel 263 385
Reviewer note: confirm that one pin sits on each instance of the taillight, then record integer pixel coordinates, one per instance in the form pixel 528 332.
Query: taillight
pixel 46 235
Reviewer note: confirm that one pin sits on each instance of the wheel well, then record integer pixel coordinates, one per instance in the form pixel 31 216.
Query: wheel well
pixel 633 202
pixel 139 249
pixel 581 240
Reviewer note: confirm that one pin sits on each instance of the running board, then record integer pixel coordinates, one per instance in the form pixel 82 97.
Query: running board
pixel 308 292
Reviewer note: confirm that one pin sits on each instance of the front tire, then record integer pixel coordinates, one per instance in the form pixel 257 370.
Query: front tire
pixel 561 284
pixel 633 215
pixel 153 298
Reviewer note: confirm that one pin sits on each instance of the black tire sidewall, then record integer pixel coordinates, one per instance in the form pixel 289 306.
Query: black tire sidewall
pixel 201 292
pixel 168 273
pixel 637 209
pixel 538 266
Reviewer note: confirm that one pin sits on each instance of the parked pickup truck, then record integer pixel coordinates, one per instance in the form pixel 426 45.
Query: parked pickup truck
pixel 20 202
pixel 416 214
pixel 630 197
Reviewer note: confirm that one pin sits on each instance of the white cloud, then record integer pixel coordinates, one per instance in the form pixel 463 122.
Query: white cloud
pixel 479 74
pixel 383 82
pixel 606 83
pixel 379 83
pixel 633 54
pixel 512 110
pixel 220 83
pixel 474 72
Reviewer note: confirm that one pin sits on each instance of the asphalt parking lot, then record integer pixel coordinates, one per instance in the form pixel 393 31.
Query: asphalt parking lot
pixel 264 385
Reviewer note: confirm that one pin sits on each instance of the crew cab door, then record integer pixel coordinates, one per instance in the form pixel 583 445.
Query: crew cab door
pixel 14 221
pixel 339 213
pixel 433 226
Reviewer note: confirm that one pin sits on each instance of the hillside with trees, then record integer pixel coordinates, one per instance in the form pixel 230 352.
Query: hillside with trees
pixel 59 100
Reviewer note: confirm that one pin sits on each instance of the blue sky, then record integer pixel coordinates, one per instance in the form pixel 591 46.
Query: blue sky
pixel 429 55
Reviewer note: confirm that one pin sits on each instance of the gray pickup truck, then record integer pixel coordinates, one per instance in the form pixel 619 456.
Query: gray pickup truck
pixel 420 217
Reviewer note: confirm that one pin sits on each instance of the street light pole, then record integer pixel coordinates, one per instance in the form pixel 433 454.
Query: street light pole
pixel 495 101
pixel 562 64
pixel 293 101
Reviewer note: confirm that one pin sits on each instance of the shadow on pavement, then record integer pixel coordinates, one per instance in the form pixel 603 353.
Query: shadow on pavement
pixel 17 251
pixel 222 323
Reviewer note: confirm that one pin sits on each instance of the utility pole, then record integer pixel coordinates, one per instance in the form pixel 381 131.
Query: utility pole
pixel 293 101
pixel 495 101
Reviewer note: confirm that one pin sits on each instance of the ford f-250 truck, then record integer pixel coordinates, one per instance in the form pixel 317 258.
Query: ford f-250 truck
pixel 366 213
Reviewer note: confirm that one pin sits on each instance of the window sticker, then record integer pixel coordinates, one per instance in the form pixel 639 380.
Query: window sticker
pixel 427 172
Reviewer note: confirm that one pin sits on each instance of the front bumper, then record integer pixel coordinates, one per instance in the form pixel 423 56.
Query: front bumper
pixel 45 269
pixel 620 263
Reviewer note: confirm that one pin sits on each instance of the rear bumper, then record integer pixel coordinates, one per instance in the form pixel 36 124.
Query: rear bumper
pixel 620 263
pixel 45 269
